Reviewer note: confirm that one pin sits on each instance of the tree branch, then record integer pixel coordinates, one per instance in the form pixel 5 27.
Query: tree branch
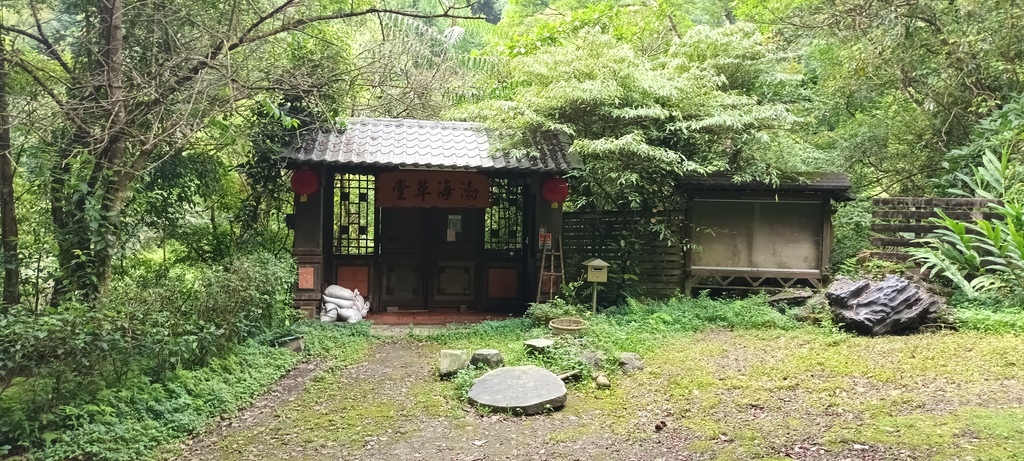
pixel 30 70
pixel 247 37
pixel 51 51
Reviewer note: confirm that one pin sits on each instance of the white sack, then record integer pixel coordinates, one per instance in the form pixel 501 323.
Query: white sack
pixel 361 305
pixel 337 292
pixel 341 303
pixel 350 315
pixel 330 313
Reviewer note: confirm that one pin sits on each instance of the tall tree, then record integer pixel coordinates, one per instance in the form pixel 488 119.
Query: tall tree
pixel 902 84
pixel 644 107
pixel 8 218
pixel 134 80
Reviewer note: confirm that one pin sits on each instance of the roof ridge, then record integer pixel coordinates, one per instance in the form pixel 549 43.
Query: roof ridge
pixel 413 121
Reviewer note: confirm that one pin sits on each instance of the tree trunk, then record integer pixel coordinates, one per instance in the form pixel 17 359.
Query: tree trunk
pixel 86 248
pixel 8 218
pixel 116 192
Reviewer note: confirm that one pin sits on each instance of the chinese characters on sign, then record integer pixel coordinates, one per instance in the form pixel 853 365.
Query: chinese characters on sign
pixel 441 189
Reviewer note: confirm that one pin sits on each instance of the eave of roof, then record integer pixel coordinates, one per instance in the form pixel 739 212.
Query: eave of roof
pixel 834 184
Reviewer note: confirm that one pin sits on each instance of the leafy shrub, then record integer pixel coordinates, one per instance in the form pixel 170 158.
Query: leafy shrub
pixel 980 257
pixel 852 228
pixel 542 313
pixel 60 369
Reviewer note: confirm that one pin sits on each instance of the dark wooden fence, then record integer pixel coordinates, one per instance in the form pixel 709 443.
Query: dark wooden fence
pixel 899 221
pixel 648 245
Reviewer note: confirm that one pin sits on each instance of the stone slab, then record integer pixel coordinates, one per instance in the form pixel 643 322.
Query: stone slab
pixel 525 390
pixel 538 345
pixel 490 358
pixel 451 361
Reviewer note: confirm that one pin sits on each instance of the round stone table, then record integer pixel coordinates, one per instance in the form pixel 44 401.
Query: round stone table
pixel 525 390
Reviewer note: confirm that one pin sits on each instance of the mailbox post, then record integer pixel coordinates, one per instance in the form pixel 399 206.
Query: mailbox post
pixel 597 272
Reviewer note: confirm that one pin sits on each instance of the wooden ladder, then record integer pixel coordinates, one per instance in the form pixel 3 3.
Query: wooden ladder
pixel 552 270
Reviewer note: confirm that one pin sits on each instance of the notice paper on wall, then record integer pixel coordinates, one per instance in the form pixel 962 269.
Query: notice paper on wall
pixel 451 234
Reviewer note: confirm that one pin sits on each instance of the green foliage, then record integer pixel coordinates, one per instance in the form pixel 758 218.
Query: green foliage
pixel 542 313
pixel 133 419
pixel 984 256
pixel 875 269
pixel 998 146
pixel 70 374
pixel 130 422
pixel 1009 321
pixel 1000 312
pixel 713 100
pixel 851 226
pixel 992 180
pixel 898 85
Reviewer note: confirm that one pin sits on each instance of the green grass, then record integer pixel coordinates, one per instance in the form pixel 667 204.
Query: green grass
pixel 330 415
pixel 339 344
pixel 979 433
pixel 735 380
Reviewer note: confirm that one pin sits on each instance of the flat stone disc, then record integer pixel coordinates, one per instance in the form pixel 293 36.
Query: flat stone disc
pixel 523 390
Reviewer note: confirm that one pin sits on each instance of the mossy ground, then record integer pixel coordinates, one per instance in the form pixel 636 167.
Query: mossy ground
pixel 724 395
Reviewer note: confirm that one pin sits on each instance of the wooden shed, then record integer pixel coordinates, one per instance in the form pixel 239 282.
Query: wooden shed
pixel 750 235
pixel 422 215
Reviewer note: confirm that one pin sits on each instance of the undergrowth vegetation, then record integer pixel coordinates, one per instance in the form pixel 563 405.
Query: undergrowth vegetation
pixel 168 351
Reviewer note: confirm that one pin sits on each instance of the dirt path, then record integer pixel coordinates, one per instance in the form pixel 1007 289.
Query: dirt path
pixel 421 425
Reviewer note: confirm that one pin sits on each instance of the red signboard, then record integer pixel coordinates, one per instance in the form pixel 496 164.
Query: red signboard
pixel 433 189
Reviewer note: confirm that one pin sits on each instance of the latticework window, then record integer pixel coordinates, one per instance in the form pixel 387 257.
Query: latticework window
pixel 354 220
pixel 503 233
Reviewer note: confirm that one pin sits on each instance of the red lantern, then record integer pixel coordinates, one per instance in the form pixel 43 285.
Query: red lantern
pixel 555 190
pixel 305 182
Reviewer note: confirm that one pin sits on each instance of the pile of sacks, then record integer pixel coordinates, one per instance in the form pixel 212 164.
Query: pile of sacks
pixel 343 305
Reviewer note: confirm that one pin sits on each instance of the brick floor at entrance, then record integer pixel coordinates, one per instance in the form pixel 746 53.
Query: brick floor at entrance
pixel 433 317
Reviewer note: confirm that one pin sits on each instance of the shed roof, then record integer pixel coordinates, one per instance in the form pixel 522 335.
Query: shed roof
pixel 410 143
pixel 831 183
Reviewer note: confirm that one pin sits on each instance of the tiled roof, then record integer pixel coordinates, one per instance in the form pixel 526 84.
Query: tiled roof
pixel 425 144
pixel 834 183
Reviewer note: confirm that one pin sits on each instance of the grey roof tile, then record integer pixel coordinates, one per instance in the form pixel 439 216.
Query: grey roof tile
pixel 425 144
